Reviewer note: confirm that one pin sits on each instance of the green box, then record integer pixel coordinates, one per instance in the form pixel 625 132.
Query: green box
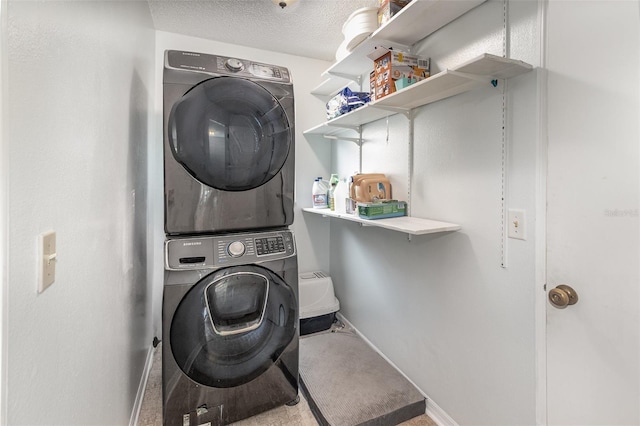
pixel 382 210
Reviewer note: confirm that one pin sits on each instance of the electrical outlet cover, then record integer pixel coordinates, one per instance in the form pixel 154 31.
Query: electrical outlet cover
pixel 47 260
pixel 517 224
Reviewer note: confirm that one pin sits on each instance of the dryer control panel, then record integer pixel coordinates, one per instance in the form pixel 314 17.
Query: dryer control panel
pixel 189 253
pixel 223 65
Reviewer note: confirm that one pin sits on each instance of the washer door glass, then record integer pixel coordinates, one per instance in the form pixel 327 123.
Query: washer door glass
pixel 233 325
pixel 230 133
pixel 237 302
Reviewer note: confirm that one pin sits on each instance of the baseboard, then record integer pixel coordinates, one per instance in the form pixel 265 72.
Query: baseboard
pixel 142 387
pixel 433 410
pixel 438 415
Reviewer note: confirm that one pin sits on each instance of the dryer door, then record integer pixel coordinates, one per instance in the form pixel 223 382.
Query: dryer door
pixel 230 134
pixel 233 325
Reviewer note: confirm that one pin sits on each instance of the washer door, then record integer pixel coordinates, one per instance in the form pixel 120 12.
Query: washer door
pixel 230 133
pixel 233 325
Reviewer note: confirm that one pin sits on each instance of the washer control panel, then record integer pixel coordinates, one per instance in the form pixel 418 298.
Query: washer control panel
pixel 223 65
pixel 269 245
pixel 187 253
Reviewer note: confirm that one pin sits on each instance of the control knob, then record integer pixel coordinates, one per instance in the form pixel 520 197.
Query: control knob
pixel 236 249
pixel 234 64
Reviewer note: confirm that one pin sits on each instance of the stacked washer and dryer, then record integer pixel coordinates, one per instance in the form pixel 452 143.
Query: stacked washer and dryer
pixel 230 305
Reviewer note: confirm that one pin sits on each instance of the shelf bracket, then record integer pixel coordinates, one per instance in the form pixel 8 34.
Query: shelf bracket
pixel 356 78
pixel 483 79
pixel 396 110
pixel 495 82
pixel 344 126
pixel 357 141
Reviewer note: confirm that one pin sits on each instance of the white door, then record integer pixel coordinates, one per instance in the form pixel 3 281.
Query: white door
pixel 593 186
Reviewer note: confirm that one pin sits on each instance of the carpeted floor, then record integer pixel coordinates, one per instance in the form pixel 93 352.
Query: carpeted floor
pixel 348 383
pixel 299 415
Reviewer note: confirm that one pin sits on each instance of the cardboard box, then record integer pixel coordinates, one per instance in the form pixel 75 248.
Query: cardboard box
pixel 404 82
pixel 386 209
pixel 372 86
pixel 388 8
pixel 391 65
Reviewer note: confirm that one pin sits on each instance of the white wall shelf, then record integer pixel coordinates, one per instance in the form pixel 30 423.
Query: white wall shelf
pixel 405 224
pixel 330 86
pixel 414 22
pixel 473 74
pixel 421 18
pixel 364 114
pixel 356 63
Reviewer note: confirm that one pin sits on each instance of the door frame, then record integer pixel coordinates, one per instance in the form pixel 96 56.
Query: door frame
pixel 540 306
pixel 4 213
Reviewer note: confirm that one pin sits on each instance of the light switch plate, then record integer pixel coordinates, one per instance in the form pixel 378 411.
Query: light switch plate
pixel 517 224
pixel 47 260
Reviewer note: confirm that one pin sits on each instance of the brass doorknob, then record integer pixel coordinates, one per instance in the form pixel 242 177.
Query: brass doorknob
pixel 562 296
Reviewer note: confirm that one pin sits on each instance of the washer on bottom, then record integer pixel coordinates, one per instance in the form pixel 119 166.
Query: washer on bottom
pixel 229 326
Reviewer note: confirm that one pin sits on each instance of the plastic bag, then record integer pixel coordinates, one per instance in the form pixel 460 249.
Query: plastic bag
pixel 346 101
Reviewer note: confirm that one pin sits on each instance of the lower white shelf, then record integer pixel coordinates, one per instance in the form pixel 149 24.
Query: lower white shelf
pixel 405 224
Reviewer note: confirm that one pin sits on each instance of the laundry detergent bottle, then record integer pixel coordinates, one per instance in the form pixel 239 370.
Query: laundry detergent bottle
pixel 319 193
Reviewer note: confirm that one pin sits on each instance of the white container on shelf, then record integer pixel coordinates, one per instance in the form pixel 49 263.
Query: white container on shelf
pixel 342 51
pixel 340 195
pixel 359 25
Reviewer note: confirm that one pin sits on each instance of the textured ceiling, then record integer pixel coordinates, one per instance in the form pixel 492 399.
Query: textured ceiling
pixel 311 28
